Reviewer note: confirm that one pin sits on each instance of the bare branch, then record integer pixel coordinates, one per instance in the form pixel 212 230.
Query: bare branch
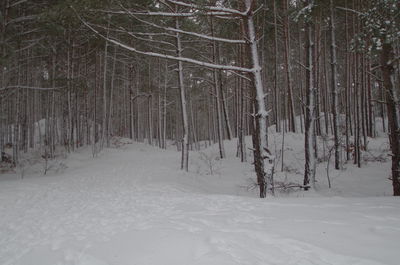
pixel 182 31
pixel 211 8
pixel 30 87
pixel 349 10
pixel 165 56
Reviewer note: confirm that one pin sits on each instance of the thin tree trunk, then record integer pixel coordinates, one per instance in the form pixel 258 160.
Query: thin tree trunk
pixel 150 117
pixel 310 161
pixel 105 62
pixel 226 113
pixel 276 52
pixel 217 90
pixel 335 98
pixel 165 107
pixel 185 122
pixel 290 100
pixel 110 104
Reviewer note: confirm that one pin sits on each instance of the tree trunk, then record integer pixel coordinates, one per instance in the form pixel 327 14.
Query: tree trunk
pixel 286 30
pixel 335 98
pixel 309 120
pixel 392 103
pixel 110 104
pixel 262 155
pixel 218 95
pixel 185 121
pixel 276 53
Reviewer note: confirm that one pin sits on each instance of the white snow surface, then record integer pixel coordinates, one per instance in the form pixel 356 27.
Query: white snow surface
pixel 133 206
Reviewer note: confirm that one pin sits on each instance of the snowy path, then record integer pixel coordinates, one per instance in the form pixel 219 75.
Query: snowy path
pixel 127 208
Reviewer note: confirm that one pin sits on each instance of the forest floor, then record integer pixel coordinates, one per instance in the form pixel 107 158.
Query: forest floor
pixel 132 205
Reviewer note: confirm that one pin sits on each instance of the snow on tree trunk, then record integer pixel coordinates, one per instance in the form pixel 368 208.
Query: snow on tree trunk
pixel 264 178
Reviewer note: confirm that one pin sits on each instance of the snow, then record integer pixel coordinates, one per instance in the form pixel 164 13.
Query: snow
pixel 132 205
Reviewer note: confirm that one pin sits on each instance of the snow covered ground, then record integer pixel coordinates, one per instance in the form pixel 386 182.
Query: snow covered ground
pixel 133 206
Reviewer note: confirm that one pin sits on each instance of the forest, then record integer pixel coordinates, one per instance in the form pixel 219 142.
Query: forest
pixel 202 132
pixel 196 73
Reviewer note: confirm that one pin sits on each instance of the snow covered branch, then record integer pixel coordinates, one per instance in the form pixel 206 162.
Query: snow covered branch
pixel 210 8
pixel 165 56
pixel 203 36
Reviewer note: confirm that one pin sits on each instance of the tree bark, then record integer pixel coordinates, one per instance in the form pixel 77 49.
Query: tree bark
pixel 185 121
pixel 309 120
pixel 290 100
pixel 392 103
pixel 262 156
pixel 335 98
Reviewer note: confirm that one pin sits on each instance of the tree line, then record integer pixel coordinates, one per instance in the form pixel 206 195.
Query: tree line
pixel 78 73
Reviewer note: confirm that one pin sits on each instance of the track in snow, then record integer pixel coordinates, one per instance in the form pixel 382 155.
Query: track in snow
pixel 136 207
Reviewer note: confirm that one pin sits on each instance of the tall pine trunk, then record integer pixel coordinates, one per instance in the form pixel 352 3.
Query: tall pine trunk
pixel 263 159
pixel 392 103
pixel 335 98
pixel 309 120
pixel 185 121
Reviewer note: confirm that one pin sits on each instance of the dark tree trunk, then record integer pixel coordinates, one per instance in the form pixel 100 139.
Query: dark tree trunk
pixel 392 103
